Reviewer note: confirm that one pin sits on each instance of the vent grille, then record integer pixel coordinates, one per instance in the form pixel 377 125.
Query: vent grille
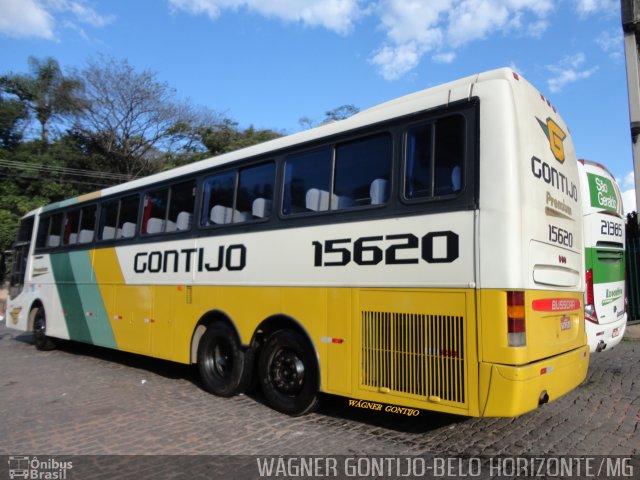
pixel 412 354
pixel 610 255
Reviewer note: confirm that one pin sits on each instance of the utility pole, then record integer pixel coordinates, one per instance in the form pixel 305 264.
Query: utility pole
pixel 631 28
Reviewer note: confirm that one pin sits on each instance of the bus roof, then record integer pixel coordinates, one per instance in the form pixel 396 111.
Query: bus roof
pixel 596 164
pixel 398 107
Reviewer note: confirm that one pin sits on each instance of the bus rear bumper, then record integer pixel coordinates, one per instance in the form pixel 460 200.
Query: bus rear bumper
pixel 514 390
pixel 603 338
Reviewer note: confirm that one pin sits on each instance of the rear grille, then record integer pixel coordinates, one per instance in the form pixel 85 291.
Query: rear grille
pixel 412 354
pixel 610 255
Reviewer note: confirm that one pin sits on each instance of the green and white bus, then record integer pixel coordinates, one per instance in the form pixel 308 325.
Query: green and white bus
pixel 604 241
pixel 425 253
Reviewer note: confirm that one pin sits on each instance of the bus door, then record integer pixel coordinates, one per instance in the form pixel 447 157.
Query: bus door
pixel 20 257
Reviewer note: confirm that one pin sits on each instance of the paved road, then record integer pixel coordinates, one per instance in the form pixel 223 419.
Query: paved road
pixel 83 400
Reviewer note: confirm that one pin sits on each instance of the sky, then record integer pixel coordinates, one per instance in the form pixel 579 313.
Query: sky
pixel 269 63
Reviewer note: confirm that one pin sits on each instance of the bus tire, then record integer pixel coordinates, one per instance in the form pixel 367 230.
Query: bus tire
pixel 288 373
pixel 225 369
pixel 39 321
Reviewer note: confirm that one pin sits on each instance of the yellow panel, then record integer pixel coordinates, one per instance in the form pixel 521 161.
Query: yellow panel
pixel 512 391
pixel 309 307
pixel 108 276
pixel 130 308
pixel 165 302
pixel 340 342
pixel 419 348
pixel 246 306
pixel 134 304
pixel 544 336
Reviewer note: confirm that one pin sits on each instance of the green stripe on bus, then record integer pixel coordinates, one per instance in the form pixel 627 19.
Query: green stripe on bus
pixel 74 315
pixel 605 271
pixel 61 204
pixel 92 303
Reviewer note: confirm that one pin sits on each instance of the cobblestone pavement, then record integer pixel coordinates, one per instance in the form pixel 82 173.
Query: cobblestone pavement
pixel 85 400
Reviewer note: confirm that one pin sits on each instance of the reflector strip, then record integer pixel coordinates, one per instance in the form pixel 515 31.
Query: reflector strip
pixel 331 340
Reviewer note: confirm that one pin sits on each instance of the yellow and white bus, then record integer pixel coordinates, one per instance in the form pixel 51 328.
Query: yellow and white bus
pixel 423 254
pixel 604 241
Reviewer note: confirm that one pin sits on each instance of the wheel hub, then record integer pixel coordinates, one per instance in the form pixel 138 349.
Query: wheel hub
pixel 287 372
pixel 221 360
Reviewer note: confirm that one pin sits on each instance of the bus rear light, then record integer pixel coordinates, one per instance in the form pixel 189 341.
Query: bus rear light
pixel 589 305
pixel 516 324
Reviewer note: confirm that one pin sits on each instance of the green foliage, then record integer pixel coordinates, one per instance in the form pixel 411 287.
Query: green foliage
pixel 339 113
pixel 13 113
pixel 227 137
pixel 46 92
pixel 29 187
pixel 112 123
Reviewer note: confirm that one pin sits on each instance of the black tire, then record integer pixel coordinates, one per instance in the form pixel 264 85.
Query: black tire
pixel 40 338
pixel 225 368
pixel 289 374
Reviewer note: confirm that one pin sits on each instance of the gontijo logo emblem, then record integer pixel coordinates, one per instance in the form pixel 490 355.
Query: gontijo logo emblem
pixel 555 135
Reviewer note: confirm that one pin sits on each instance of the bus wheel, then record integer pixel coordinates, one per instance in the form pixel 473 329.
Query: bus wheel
pixel 39 321
pixel 288 373
pixel 225 369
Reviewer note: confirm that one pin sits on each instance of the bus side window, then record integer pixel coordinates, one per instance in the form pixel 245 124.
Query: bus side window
pixel 154 213
pixel 217 201
pixel 181 205
pixel 55 230
pixel 362 172
pixel 43 230
pixel 419 162
pixel 255 191
pixel 449 155
pixel 434 164
pixel 307 182
pixel 128 217
pixel 87 224
pixel 108 220
pixel 70 230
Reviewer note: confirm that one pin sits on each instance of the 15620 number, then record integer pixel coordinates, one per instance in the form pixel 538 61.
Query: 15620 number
pixel 399 249
pixel 560 236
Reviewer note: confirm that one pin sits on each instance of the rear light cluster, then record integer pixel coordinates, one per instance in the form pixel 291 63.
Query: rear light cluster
pixel 516 324
pixel 589 304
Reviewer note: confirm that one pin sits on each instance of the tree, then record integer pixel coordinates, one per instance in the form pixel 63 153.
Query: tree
pixel 13 114
pixel 132 117
pixel 46 92
pixel 339 113
pixel 226 136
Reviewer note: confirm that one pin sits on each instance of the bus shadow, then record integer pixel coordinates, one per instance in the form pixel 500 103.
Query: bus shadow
pixel 156 366
pixel 426 421
pixel 337 408
pixel 331 406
